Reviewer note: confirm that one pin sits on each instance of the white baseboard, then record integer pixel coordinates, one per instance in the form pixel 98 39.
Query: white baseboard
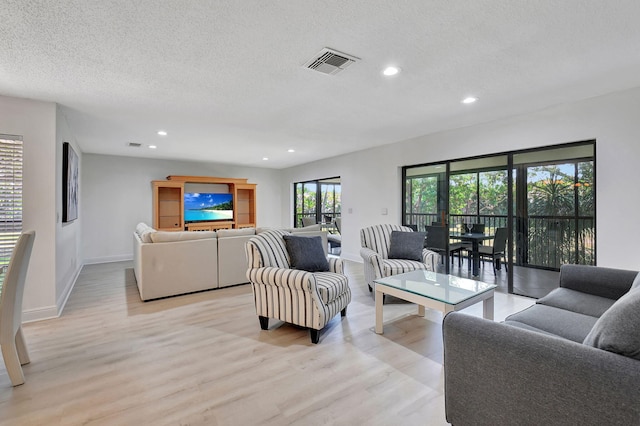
pixel 39 314
pixel 62 300
pixel 49 312
pixel 108 259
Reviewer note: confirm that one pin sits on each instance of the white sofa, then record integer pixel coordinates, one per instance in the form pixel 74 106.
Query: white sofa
pixel 173 263
pixel 232 258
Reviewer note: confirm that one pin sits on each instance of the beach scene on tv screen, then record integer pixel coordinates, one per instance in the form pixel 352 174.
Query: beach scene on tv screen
pixel 207 206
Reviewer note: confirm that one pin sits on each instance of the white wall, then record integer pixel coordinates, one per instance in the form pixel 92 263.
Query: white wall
pixel 371 179
pixel 116 195
pixel 68 255
pixel 115 192
pixel 36 122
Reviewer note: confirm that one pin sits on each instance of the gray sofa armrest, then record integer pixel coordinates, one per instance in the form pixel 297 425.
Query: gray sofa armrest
pixel 599 281
pixel 497 374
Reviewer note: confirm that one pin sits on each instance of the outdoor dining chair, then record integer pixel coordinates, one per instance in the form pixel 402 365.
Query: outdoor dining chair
pixel 496 252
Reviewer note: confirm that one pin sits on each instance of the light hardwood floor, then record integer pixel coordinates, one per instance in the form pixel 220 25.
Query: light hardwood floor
pixel 202 359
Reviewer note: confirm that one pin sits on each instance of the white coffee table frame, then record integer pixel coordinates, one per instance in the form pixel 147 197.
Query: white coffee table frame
pixel 486 297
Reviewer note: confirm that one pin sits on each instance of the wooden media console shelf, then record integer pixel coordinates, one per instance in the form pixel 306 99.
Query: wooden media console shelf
pixel 209 226
pixel 168 203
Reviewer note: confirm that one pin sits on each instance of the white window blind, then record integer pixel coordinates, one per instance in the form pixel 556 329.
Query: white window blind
pixel 10 195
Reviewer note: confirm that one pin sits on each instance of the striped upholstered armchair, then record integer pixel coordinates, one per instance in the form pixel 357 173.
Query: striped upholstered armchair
pixel 375 241
pixel 307 299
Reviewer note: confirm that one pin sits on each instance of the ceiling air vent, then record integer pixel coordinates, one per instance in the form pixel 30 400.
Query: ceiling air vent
pixel 330 61
pixel 134 145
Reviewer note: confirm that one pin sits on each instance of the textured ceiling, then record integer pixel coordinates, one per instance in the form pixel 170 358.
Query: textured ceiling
pixel 224 78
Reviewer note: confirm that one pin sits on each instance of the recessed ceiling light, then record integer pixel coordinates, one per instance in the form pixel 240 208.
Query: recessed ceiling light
pixel 152 147
pixel 391 70
pixel 469 100
pixel 162 133
pixel 265 158
pixel 291 150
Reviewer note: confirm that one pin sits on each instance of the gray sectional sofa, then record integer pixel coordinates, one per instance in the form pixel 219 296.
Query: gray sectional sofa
pixel 573 358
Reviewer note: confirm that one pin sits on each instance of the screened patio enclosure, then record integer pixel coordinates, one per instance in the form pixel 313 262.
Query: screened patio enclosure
pixel 545 197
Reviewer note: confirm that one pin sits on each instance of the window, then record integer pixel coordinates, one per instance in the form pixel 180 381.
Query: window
pixel 317 201
pixel 463 194
pixel 422 194
pixel 423 188
pixel 306 202
pixel 330 207
pixel 10 195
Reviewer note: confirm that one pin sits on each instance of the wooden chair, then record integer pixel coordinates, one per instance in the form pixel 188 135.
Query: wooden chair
pixel 14 349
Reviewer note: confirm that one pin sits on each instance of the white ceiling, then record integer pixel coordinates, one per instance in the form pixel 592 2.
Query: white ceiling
pixel 225 78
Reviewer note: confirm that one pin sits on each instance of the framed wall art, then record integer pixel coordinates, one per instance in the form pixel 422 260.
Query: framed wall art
pixel 70 180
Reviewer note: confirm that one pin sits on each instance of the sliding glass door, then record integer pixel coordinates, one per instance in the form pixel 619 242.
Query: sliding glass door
pixel 426 205
pixel 545 197
pixel 478 192
pixel 556 212
pixel 317 201
pixel 330 204
pixel 426 195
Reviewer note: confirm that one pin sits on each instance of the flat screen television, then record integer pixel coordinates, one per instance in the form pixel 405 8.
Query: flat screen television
pixel 207 207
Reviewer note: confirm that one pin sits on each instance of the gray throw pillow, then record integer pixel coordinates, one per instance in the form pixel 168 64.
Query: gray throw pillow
pixel 618 329
pixel 306 253
pixel 406 245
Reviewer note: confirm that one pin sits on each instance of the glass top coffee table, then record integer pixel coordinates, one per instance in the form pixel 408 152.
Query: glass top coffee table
pixel 442 292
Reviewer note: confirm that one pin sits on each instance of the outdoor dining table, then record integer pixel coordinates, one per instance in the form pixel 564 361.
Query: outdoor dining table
pixel 475 239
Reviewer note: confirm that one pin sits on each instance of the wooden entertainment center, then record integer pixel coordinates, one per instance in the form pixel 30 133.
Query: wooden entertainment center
pixel 168 203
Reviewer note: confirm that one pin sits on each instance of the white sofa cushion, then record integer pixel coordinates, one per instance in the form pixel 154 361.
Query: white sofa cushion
pixel 222 233
pixel 144 231
pixel 141 227
pixel 232 257
pixel 168 237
